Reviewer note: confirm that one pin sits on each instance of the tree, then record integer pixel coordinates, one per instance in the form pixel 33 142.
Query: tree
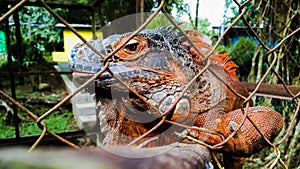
pixel 241 52
pixel 204 27
pixel 38 26
pixel 273 21
pixel 109 12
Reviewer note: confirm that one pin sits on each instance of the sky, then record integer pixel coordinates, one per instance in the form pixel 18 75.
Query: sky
pixel 213 10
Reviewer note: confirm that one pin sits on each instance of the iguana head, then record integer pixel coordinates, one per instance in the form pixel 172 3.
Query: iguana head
pixel 151 58
pixel 156 63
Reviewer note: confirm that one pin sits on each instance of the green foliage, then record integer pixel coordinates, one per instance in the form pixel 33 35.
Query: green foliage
pixel 109 13
pixel 241 52
pixel 232 11
pixel 38 102
pixel 83 1
pixel 179 5
pixel 57 122
pixel 3 62
pixel 110 10
pixel 203 27
pixel 159 21
pixel 60 122
pixel 71 15
pixel 3 51
pixel 54 97
pixel 41 30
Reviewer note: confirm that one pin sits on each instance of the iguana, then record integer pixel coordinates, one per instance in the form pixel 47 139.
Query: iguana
pixel 158 64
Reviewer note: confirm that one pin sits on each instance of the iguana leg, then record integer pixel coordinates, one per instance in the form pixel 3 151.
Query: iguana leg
pixel 247 140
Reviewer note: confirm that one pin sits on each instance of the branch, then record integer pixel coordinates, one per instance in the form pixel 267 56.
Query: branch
pixel 177 155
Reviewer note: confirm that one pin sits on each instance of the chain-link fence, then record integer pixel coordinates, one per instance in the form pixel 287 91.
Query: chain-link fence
pixel 268 53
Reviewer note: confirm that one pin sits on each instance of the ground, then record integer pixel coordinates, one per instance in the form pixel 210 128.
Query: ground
pixel 38 102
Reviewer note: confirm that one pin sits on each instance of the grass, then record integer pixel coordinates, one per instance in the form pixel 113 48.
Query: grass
pixel 58 121
pixel 38 102
pixel 3 62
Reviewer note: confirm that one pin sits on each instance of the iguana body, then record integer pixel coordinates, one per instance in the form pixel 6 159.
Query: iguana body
pixel 158 64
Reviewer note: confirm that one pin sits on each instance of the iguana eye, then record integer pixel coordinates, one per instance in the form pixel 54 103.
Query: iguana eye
pixel 132 45
pixel 133 48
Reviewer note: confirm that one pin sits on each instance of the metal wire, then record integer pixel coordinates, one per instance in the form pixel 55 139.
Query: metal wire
pixel 270 51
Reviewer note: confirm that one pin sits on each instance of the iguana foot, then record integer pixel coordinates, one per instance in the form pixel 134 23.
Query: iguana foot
pixel 247 139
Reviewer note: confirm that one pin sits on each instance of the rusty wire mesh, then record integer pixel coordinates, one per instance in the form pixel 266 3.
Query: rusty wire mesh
pixel 275 44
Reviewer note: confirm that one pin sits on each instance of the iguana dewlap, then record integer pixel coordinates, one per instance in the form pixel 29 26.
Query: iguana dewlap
pixel 158 64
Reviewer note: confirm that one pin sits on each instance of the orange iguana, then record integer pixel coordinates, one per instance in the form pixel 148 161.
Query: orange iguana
pixel 158 64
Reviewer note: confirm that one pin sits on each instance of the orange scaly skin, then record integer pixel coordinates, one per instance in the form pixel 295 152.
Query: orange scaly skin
pixel 158 64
